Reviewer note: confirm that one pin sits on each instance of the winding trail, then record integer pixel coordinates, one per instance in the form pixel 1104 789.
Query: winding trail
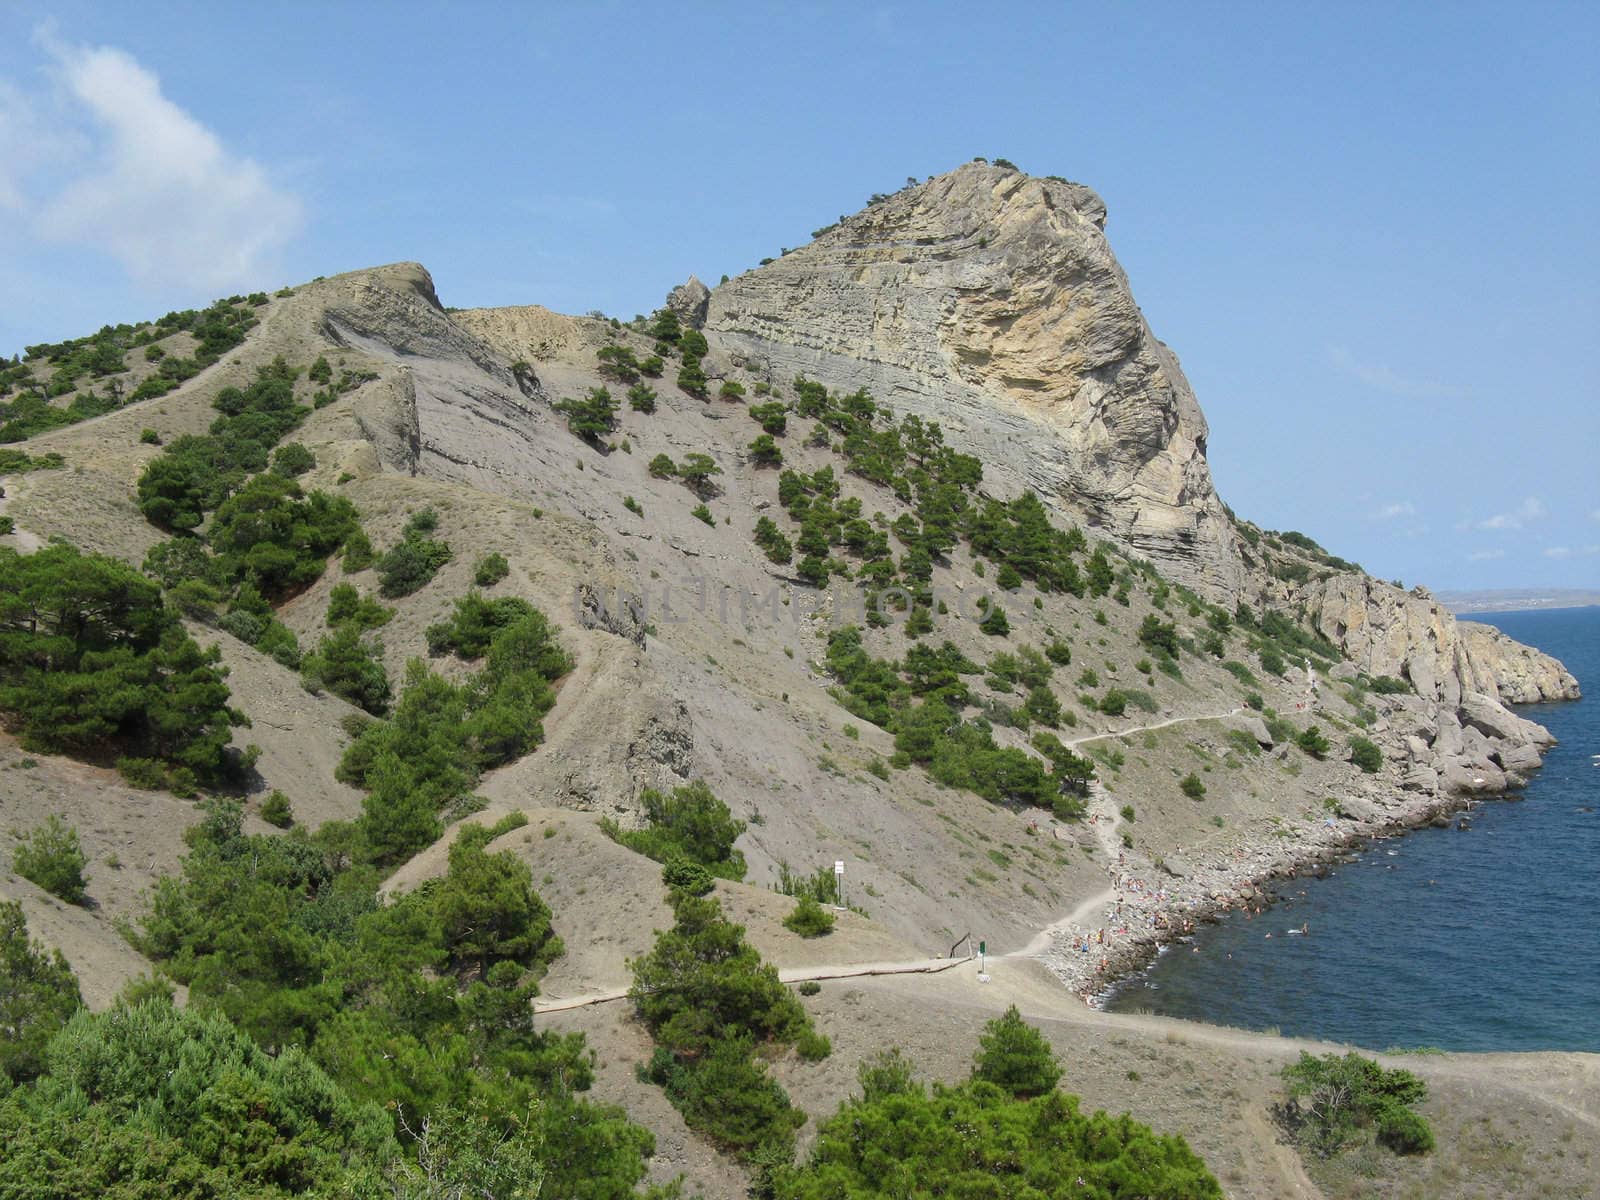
pixel 1106 820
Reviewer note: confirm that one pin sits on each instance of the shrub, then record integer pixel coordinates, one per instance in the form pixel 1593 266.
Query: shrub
pixel 809 919
pixel 696 471
pixel 1271 661
pixel 1114 703
pixel 38 995
pixel 691 378
pixel 764 452
pixel 994 622
pixel 149 437
pixel 1013 1056
pixel 1334 1101
pixel 347 605
pixel 411 565
pixel 701 513
pixel 349 667
pixel 731 389
pixel 592 417
pixel 1312 741
pixel 976 1140
pixel 662 467
pixel 1160 636
pixel 708 1000
pixel 491 569
pixel 809 987
pixel 93 662
pixel 689 824
pixel 275 810
pixel 1192 786
pixel 1365 754
pixel 1240 672
pixel 642 397
pixel 682 875
pixel 51 857
pixel 292 459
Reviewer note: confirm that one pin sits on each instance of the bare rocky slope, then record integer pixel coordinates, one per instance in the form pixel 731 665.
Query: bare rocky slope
pixel 984 300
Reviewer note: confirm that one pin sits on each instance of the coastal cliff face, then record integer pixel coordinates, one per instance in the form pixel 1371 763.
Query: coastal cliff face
pixel 991 301
pixel 1409 635
pixel 1459 735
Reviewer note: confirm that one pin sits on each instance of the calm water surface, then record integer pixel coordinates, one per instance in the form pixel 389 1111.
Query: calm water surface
pixel 1487 940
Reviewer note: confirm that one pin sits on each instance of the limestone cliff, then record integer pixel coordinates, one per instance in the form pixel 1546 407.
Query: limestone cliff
pixel 1409 635
pixel 992 302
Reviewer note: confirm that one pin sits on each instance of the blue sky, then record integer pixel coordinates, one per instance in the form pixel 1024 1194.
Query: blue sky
pixel 1369 232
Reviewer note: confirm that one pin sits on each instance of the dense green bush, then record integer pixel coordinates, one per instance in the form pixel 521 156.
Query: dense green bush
pixel 979 1140
pixel 38 994
pixel 293 459
pixel 51 857
pixel 1338 1101
pixel 491 569
pixel 1312 741
pixel 592 417
pixel 1192 786
pixel 809 919
pixel 709 1001
pixel 1013 1056
pixel 158 1100
pixel 414 560
pixel 92 662
pixel 690 824
pixel 275 810
pixel 349 667
pixel 1365 754
pixel 277 538
pixel 348 606
pixel 642 397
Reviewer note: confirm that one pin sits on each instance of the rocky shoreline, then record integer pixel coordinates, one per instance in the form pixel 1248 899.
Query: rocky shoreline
pixel 1153 907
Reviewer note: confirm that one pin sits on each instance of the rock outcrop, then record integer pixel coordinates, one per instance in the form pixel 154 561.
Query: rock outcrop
pixel 689 300
pixel 991 302
pixel 1409 635
pixel 1464 739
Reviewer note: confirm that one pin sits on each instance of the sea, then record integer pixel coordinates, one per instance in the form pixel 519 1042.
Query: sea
pixel 1480 940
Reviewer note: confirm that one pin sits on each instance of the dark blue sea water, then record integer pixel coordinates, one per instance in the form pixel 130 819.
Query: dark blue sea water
pixel 1487 940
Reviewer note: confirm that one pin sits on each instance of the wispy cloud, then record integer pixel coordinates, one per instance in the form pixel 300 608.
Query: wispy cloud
pixel 135 176
pixel 1385 379
pixel 1391 512
pixel 1485 555
pixel 1571 551
pixel 1531 509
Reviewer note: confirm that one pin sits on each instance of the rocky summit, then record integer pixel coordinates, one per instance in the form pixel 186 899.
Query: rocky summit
pixel 481 667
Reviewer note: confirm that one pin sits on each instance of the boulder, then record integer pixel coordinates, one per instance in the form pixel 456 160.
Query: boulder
pixel 1462 778
pixel 1496 721
pixel 1256 728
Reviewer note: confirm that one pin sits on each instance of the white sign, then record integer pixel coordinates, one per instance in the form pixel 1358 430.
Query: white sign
pixel 838 867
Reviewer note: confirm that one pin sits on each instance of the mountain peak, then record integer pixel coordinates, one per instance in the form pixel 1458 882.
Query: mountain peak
pixel 991 301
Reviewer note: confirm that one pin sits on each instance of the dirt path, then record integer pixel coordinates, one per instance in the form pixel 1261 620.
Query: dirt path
pixel 1292 1175
pixel 925 966
pixel 1074 743
pixel 1105 822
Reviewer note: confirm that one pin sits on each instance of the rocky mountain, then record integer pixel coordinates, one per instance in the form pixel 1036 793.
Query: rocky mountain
pixel 992 302
pixel 925 521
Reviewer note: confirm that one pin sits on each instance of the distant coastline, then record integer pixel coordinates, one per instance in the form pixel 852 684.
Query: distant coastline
pixel 1487 600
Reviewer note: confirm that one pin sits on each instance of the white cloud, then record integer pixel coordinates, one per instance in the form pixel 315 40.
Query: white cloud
pixel 1571 552
pixel 1485 555
pixel 135 176
pixel 1385 379
pixel 1391 511
pixel 1531 509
